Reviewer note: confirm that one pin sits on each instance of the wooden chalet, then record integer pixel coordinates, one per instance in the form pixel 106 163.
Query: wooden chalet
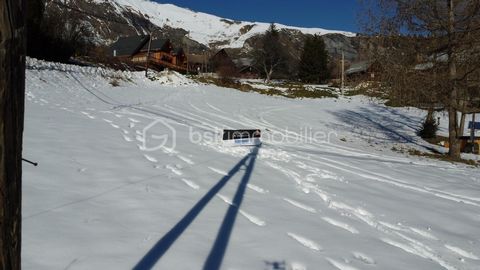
pixel 222 61
pixel 160 53
pixel 198 63
pixel 363 71
pixel 246 68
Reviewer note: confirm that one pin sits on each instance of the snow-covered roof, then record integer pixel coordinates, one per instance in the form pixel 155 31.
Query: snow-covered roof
pixel 358 67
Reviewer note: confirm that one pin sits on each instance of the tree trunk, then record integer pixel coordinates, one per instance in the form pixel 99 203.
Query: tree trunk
pixel 12 92
pixel 462 125
pixel 454 150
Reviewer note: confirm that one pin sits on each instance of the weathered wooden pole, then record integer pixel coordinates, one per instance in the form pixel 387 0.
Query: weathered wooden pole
pixel 148 53
pixel 12 95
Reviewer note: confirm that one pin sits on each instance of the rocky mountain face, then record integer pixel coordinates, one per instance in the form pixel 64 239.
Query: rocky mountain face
pixel 111 19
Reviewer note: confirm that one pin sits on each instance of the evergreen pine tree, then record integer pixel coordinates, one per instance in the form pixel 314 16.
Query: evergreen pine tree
pixel 313 66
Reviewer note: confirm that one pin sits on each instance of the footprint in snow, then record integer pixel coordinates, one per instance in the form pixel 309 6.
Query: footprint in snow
pixel 341 225
pixel 257 189
pixel 253 219
pixel 300 205
pixel 218 171
pixel 175 169
pixel 363 258
pixel 340 265
pixel 150 158
pixel 127 139
pixel 88 115
pixel 186 160
pixel 191 184
pixel 305 242
pixel 133 120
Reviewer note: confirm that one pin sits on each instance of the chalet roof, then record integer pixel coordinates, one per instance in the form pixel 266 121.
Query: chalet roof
pixel 127 46
pixel 197 58
pixel 358 67
pixel 157 44
pixel 243 62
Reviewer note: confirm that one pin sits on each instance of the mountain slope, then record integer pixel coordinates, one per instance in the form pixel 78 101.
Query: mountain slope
pixel 205 28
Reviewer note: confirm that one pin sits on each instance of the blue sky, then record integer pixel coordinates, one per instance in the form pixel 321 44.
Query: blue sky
pixel 329 14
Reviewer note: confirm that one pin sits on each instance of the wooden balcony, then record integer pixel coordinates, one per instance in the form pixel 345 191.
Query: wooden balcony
pixel 159 60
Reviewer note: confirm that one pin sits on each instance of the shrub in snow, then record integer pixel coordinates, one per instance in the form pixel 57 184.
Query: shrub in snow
pixel 429 129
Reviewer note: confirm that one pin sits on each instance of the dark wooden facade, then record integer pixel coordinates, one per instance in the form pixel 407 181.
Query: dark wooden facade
pixel 160 53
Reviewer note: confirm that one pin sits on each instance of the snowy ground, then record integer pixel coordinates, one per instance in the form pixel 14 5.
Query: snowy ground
pixel 100 200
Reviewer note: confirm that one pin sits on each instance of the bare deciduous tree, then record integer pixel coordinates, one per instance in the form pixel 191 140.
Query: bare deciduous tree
pixel 272 55
pixel 430 53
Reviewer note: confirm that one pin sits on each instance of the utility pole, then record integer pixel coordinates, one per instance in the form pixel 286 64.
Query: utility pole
pixel 12 104
pixel 343 72
pixel 188 49
pixel 148 53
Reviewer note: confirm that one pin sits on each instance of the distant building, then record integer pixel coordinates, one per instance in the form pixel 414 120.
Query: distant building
pixel 221 61
pixel 160 53
pixel 246 68
pixel 363 71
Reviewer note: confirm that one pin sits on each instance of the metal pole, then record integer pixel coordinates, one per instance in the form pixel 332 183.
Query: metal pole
pixel 148 54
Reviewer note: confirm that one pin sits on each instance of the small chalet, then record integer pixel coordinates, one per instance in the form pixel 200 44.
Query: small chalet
pixel 160 52
pixel 362 71
pixel 198 63
pixel 246 68
pixel 221 61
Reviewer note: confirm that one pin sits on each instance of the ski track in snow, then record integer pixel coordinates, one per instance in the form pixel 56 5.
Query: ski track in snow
pixel 462 252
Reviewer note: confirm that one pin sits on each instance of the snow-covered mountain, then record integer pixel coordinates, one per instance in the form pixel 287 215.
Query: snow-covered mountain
pixel 110 19
pixel 205 28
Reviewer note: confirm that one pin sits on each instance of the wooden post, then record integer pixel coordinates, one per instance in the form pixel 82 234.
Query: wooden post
pixel 472 133
pixel 12 97
pixel 148 53
pixel 343 71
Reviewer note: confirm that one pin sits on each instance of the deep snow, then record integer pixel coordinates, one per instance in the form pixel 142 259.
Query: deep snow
pixel 100 200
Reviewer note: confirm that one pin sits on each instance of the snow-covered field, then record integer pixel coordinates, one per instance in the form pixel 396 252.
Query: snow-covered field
pixel 102 199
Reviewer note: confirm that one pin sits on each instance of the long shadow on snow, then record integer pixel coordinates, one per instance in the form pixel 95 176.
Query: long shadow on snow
pixel 384 126
pixel 217 252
